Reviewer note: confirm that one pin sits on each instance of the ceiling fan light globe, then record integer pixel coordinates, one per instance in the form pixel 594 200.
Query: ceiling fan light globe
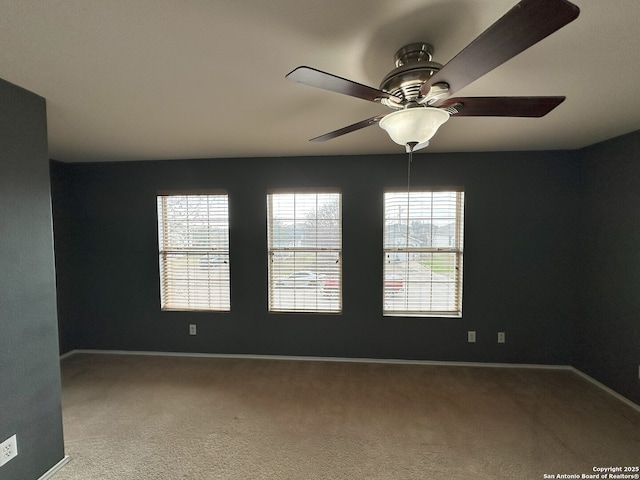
pixel 413 125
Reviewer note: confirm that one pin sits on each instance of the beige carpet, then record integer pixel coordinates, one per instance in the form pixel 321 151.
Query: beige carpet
pixel 144 417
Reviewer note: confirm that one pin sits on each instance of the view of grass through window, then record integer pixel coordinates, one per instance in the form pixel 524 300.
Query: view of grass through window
pixel 423 240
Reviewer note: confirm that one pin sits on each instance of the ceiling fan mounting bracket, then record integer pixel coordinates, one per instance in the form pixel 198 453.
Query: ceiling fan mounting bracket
pixel 414 52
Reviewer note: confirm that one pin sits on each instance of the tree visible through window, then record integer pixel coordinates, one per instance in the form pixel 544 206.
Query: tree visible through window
pixel 423 249
pixel 305 249
pixel 193 237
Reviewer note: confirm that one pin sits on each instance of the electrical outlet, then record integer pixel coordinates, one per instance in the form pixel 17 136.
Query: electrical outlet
pixel 192 329
pixel 501 337
pixel 471 336
pixel 8 450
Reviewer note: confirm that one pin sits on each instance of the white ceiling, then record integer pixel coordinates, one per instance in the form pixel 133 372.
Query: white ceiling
pixel 171 79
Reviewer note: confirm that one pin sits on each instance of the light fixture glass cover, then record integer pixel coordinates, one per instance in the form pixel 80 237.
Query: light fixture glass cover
pixel 416 124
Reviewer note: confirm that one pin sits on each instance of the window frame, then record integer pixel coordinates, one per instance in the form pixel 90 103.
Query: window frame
pixel 457 249
pixel 169 282
pixel 334 297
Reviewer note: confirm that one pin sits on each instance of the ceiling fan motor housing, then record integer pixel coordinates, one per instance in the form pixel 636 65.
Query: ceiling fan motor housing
pixel 413 68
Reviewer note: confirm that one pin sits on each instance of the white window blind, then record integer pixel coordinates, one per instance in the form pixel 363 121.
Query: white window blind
pixel 423 250
pixel 193 236
pixel 304 231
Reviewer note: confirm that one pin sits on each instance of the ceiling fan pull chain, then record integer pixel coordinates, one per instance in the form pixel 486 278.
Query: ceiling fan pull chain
pixel 411 146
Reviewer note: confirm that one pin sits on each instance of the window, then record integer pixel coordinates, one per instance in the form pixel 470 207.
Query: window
pixel 193 237
pixel 305 248
pixel 423 240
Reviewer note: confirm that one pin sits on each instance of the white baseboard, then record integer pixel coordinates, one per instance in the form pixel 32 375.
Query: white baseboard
pixel 610 391
pixel 398 361
pixel 68 354
pixel 55 469
pixel 364 360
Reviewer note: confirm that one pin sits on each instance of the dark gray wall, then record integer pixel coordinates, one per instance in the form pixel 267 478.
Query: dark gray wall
pixel 29 366
pixel 609 324
pixel 519 262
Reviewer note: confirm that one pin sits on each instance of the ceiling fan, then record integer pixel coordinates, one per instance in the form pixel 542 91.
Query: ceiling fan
pixel 419 90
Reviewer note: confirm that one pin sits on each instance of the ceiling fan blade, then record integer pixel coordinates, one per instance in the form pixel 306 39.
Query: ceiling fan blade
pixel 524 25
pixel 500 106
pixel 348 129
pixel 317 78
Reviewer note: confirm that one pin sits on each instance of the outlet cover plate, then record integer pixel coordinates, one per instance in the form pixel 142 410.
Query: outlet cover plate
pixel 8 449
pixel 192 329
pixel 471 336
